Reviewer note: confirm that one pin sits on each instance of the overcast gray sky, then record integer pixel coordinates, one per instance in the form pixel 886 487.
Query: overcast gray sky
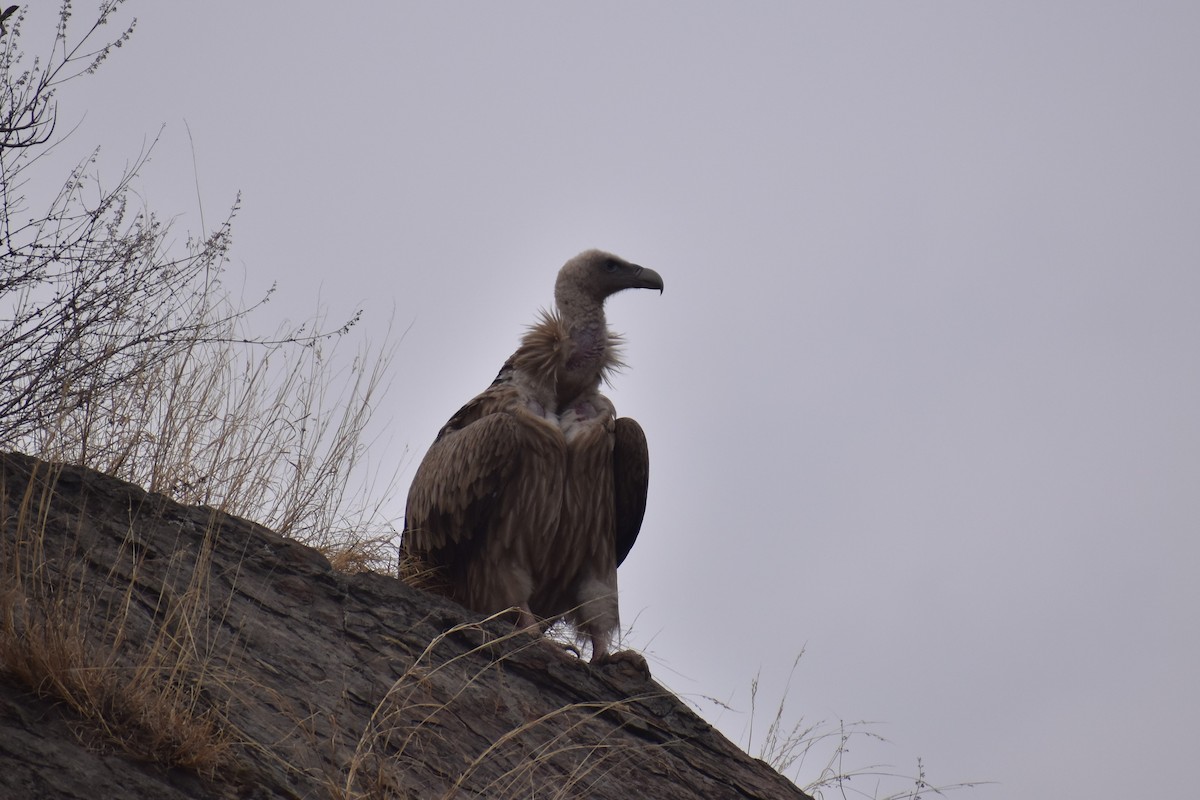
pixel 922 392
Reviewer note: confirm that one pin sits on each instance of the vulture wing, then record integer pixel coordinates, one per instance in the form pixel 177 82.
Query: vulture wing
pixel 459 482
pixel 631 477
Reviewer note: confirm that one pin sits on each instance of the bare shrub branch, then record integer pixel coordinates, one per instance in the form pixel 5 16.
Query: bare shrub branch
pixel 28 113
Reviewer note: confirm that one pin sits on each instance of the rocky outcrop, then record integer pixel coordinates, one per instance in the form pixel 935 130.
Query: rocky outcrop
pixel 154 650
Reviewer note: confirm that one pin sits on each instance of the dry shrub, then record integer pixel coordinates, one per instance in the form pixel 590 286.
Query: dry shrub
pixel 123 351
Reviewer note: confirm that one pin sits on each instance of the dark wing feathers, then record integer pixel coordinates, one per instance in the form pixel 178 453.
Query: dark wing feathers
pixel 457 484
pixel 631 477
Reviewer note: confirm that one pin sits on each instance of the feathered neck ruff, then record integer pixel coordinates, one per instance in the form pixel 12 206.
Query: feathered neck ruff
pixel 572 360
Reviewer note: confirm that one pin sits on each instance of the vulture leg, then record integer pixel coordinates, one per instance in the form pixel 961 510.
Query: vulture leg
pixel 526 621
pixel 596 616
pixel 586 526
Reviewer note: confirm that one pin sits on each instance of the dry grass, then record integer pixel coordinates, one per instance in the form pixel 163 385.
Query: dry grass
pixel 428 692
pixel 788 749
pixel 142 694
pixel 250 429
pixel 244 429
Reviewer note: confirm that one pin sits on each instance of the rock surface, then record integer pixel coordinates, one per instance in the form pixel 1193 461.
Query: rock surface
pixel 285 679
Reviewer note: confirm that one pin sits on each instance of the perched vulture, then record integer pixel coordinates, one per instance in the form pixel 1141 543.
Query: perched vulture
pixel 534 492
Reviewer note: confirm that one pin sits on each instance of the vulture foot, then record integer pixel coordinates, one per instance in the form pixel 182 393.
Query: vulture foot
pixel 627 662
pixel 563 650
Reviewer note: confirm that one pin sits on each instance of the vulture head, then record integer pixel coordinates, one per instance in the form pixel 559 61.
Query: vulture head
pixel 593 275
pixel 590 350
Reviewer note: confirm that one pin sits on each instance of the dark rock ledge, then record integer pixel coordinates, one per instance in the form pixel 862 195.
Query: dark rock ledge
pixel 219 660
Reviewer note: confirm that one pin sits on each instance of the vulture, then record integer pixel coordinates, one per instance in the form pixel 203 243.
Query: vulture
pixel 533 493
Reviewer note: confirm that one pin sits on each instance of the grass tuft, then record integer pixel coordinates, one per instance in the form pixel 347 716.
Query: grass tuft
pixel 144 694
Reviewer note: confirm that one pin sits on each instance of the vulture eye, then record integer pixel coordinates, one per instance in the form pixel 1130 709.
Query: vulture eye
pixel 610 266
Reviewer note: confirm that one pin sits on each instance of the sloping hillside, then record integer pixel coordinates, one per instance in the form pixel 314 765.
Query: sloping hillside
pixel 153 650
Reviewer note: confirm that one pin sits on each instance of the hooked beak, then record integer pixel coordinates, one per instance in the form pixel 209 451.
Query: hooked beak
pixel 645 278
